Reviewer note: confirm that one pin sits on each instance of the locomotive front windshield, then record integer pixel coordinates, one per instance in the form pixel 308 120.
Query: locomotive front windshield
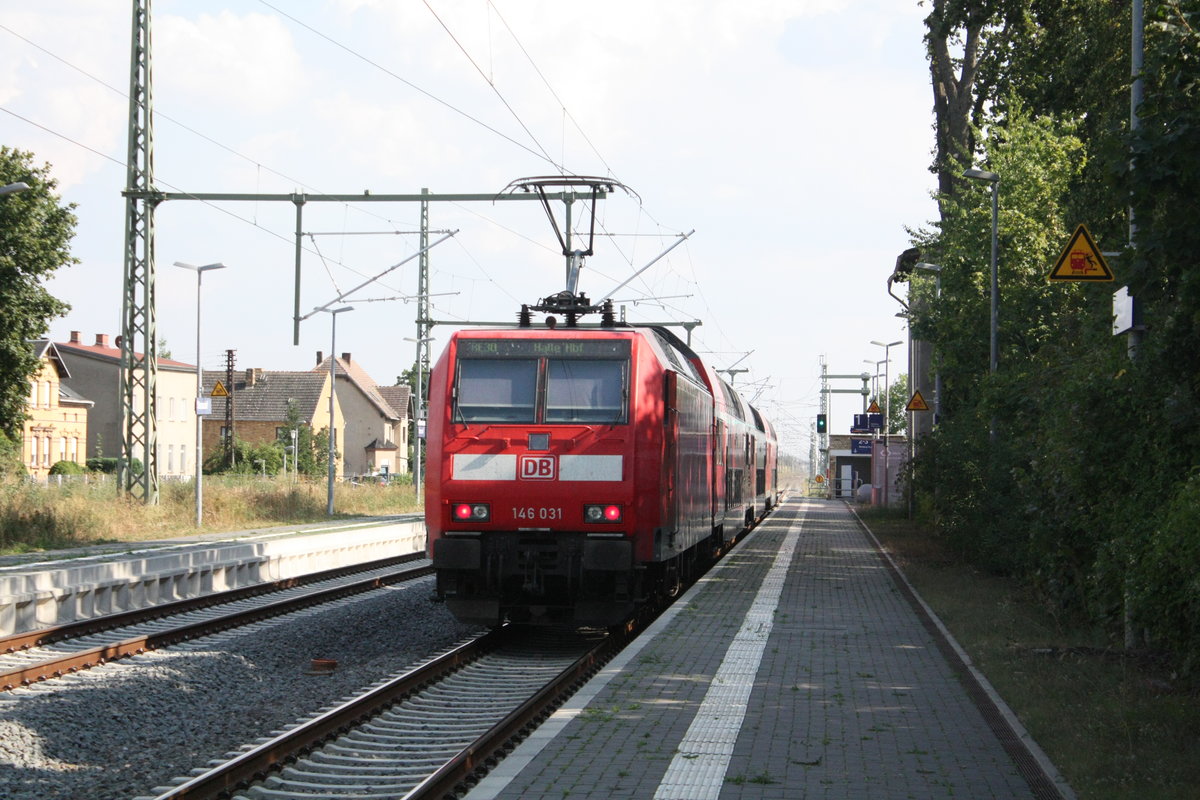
pixel 542 382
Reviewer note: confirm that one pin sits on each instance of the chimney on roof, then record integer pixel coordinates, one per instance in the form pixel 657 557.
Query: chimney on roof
pixel 253 374
pixel 320 357
pixel 101 340
pixel 346 357
pixel 74 337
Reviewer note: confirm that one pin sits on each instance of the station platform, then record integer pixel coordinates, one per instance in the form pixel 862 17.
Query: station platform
pixel 802 666
pixel 39 590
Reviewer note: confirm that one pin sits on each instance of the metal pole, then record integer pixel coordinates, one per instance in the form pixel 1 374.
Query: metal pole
pixel 887 412
pixel 199 416
pixel 332 392
pixel 995 354
pixel 333 312
pixel 199 391
pixel 417 427
pixel 422 342
pixel 887 421
pixel 1134 337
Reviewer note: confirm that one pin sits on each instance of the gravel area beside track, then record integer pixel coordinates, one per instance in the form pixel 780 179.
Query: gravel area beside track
pixel 118 731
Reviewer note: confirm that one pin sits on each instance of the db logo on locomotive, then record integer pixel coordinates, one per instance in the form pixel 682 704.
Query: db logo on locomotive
pixel 538 468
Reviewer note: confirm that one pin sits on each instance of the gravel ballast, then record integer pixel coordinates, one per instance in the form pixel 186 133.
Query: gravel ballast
pixel 120 730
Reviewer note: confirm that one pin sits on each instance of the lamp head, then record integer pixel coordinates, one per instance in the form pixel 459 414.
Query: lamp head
pixel 981 175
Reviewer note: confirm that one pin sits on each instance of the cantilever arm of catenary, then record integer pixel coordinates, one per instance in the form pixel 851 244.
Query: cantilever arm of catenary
pixel 682 238
pixel 349 292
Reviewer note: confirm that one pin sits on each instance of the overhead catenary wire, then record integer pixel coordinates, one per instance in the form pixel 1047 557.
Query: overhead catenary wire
pixel 650 288
pixel 409 83
pixel 158 114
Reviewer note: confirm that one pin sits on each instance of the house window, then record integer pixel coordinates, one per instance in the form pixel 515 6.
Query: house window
pixel 45 394
pixel 33 451
pixel 33 387
pixel 171 450
pixel 183 462
pixel 45 451
pixel 171 403
pixel 62 448
pixel 75 449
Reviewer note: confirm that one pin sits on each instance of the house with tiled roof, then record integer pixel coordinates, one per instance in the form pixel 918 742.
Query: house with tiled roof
pixel 261 400
pixel 95 373
pixel 57 417
pixel 377 417
pixel 400 398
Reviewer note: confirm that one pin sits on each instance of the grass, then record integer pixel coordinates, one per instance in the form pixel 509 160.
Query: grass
pixel 1117 726
pixel 37 518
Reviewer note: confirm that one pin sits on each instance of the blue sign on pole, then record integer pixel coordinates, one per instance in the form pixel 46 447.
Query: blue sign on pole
pixel 860 447
pixel 875 422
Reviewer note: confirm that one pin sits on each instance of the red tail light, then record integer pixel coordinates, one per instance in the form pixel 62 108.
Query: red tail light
pixel 603 512
pixel 472 512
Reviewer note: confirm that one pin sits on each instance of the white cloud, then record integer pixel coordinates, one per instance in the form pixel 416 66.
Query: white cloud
pixel 794 136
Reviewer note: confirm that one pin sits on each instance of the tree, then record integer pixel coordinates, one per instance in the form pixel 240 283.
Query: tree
pixel 893 402
pixel 954 25
pixel 35 235
pixel 10 458
pixel 312 452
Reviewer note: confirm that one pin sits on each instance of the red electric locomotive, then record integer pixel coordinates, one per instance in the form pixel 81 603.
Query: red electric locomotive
pixel 574 472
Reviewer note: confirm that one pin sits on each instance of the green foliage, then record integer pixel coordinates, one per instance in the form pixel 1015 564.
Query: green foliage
pixel 893 402
pixel 35 235
pixel 109 465
pixel 249 459
pixel 312 452
pixel 10 457
pixel 1166 575
pixel 1069 466
pixel 67 468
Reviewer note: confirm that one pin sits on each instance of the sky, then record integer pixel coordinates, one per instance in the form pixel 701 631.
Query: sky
pixel 792 136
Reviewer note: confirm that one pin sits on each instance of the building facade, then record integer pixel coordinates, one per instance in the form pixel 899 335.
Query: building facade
pixel 56 428
pixel 261 403
pixel 376 431
pixel 95 373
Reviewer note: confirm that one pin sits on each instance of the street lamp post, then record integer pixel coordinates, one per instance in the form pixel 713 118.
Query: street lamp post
pixel 887 412
pixel 9 188
pixel 333 312
pixel 199 392
pixel 994 179
pixel 876 375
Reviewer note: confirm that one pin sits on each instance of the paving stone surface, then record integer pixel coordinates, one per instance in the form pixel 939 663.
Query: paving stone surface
pixel 796 669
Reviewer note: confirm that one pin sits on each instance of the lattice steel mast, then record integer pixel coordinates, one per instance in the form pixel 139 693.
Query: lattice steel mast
pixel 139 372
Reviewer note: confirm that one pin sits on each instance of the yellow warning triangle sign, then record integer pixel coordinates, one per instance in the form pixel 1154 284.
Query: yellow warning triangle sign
pixel 1081 260
pixel 917 403
pixel 219 391
pixel 874 409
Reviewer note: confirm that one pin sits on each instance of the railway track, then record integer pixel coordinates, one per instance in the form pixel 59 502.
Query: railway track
pixel 28 658
pixel 423 734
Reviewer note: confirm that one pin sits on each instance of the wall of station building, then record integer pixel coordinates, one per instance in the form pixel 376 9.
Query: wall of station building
pixel 852 474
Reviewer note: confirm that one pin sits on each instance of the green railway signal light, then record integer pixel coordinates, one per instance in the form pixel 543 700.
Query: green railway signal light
pixel 822 423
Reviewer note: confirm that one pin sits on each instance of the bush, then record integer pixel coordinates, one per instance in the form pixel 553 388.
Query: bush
pixel 1165 584
pixel 67 468
pixel 109 465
